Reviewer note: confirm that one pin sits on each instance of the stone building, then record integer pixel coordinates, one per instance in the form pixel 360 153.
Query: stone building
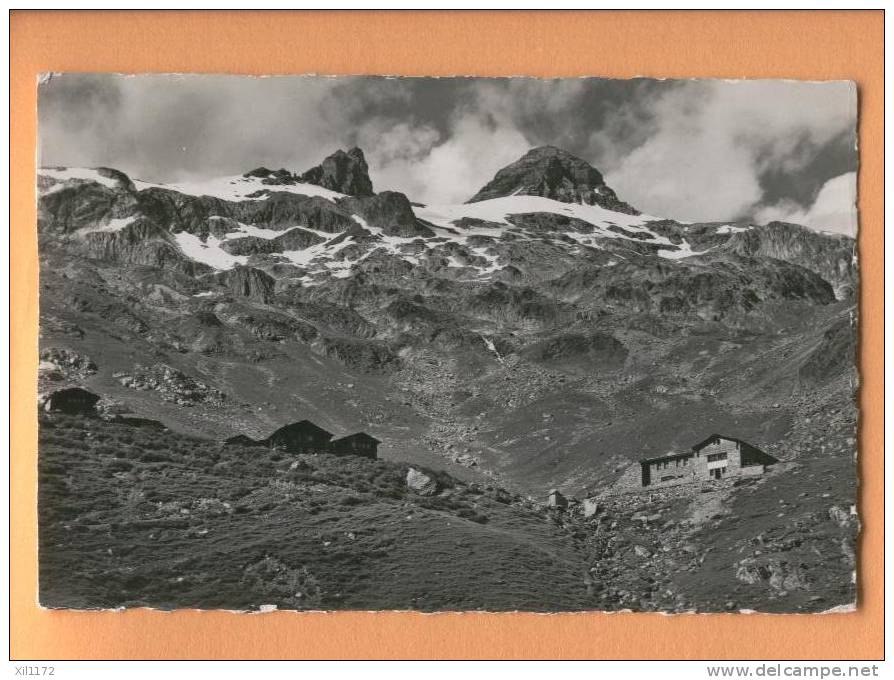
pixel 716 457
pixel 358 444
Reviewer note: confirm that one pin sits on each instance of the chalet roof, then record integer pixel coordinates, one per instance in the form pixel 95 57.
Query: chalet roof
pixel 306 426
pixel 70 399
pixel 357 435
pixel 702 444
pixel 74 391
pixel 670 455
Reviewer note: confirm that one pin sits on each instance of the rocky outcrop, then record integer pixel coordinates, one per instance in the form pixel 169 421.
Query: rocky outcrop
pixel 599 350
pixel 176 212
pixel 390 211
pixel 281 210
pixel 293 239
pixel 713 288
pixel 273 326
pixel 171 385
pixel 142 242
pixel 553 173
pixel 344 172
pixel 829 255
pixel 501 302
pixel 204 215
pixel 83 204
pixel 549 222
pixel 58 363
pixel 341 319
pixel 272 177
pixel 368 356
pixel 248 282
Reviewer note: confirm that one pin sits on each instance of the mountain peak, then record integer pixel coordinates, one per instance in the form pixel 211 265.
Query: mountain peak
pixel 344 171
pixel 554 173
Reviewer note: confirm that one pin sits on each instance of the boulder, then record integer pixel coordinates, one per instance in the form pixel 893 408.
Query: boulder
pixel 642 551
pixel 591 507
pixel 421 483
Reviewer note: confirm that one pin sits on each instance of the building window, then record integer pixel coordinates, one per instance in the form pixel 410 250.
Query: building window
pixel 716 456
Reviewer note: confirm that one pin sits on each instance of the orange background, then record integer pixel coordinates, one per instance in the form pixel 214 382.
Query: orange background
pixel 805 45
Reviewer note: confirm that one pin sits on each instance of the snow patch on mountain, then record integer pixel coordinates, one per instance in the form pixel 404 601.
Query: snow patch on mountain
pixel 498 209
pixel 113 225
pixel 62 175
pixel 207 252
pixel 249 230
pixel 238 188
pixel 731 229
pixel 682 250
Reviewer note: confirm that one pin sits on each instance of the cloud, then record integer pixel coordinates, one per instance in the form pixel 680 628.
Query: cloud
pixel 833 210
pixel 455 170
pixel 713 141
pixel 430 167
pixel 164 127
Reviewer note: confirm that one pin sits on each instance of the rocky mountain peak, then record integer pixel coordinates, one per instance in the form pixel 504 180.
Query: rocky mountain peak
pixel 554 173
pixel 344 171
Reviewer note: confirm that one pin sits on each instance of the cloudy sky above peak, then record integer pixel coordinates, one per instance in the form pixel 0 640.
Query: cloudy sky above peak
pixel 691 150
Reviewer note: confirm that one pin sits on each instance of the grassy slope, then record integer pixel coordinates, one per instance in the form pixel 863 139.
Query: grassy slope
pixel 134 517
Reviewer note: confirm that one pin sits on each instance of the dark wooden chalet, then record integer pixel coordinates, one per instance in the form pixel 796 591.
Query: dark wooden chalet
pixel 74 400
pixel 300 437
pixel 358 444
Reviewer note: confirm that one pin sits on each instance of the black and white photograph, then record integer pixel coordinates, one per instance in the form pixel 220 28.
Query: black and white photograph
pixel 447 344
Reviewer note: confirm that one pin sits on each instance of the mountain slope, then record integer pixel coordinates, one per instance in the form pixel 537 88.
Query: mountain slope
pixel 544 335
pixel 524 336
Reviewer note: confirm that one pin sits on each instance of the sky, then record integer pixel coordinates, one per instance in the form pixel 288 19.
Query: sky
pixel 696 150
